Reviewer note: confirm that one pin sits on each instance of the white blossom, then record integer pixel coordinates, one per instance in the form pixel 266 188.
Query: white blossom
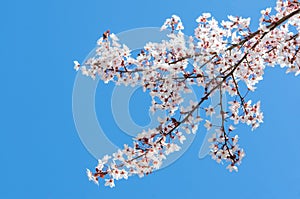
pixel 231 168
pixel 208 124
pixel 91 176
pixel 76 65
pixel 172 148
pixel 110 182
pixel 210 110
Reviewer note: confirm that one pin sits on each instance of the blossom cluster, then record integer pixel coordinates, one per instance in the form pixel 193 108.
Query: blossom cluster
pixel 224 58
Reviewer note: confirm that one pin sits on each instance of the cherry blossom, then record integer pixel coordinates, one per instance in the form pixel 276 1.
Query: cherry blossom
pixel 208 124
pixel 110 182
pixel 224 59
pixel 92 177
pixel 76 65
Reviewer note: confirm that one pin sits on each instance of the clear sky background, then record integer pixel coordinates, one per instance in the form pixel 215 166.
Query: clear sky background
pixel 41 155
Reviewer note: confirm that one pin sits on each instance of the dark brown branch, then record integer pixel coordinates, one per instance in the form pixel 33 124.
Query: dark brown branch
pixel 238 91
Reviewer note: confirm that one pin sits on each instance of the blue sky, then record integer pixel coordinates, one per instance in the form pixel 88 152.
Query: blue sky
pixel 41 153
